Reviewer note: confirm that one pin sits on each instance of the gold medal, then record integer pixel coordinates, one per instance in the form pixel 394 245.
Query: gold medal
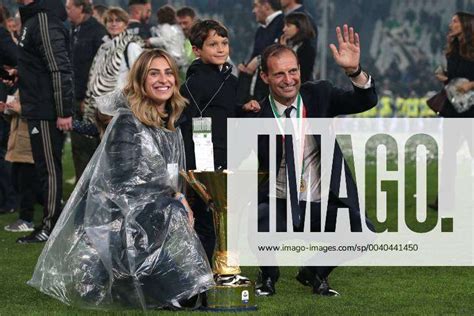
pixel 302 185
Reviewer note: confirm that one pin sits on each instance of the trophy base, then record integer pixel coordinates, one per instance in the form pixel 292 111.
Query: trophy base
pixel 231 298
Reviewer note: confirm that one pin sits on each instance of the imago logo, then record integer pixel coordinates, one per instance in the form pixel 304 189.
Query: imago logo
pixel 386 205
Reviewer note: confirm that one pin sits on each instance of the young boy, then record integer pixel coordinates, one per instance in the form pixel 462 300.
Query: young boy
pixel 211 90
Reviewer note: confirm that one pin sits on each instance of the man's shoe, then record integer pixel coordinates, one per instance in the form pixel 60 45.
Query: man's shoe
pixel 267 288
pixel 20 226
pixel 305 276
pixel 321 287
pixel 37 236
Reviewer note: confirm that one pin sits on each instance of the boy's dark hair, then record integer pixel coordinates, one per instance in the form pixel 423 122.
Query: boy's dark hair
pixel 166 14
pixel 186 11
pixel 274 51
pixel 200 31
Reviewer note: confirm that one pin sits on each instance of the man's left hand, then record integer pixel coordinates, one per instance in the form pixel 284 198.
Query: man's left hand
pixel 347 56
pixel 64 123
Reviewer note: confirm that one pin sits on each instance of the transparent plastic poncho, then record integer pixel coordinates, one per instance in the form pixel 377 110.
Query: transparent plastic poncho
pixel 122 239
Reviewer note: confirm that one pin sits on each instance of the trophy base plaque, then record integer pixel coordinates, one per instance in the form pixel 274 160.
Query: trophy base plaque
pixel 232 298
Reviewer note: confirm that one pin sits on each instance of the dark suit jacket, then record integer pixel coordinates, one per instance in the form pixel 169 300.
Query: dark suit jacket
pixel 322 99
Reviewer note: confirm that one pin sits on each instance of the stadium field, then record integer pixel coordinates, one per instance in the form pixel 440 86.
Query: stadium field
pixel 364 290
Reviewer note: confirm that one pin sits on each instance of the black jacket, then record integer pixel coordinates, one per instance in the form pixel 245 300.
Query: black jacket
pixel 266 36
pixel 203 81
pixel 8 49
pixel 8 56
pixel 44 67
pixel 86 39
pixel 306 57
pixel 458 67
pixel 321 100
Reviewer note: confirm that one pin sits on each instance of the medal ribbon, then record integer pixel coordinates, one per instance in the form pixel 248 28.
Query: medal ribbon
pixel 300 113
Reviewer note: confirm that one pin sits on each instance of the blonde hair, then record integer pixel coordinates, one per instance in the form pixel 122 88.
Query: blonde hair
pixel 142 106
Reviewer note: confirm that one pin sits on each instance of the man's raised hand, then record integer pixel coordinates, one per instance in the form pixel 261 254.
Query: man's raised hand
pixel 347 55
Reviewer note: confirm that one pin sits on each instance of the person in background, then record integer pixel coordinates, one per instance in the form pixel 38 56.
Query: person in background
pixel 186 18
pixel 460 59
pixel 169 36
pixel 298 34
pixel 86 38
pixel 14 28
pixel 112 62
pixel 8 59
pixel 270 18
pixel 46 94
pixel 296 6
pixel 24 177
pixel 140 13
pixel 460 64
pixel 98 12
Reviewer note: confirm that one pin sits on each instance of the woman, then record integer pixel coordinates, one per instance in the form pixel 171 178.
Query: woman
pixel 113 60
pixel 23 171
pixel 460 59
pixel 460 62
pixel 298 34
pixel 125 236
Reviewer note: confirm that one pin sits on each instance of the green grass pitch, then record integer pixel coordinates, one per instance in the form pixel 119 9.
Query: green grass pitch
pixel 364 290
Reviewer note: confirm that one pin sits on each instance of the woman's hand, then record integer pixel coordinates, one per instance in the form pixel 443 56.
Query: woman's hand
pixel 283 39
pixel 14 106
pixel 466 87
pixel 180 197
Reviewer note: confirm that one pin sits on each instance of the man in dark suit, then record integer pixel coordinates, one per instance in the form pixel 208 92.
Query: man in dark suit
pixel 269 16
pixel 280 70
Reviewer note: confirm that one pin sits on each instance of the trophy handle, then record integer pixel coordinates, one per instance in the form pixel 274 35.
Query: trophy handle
pixel 197 186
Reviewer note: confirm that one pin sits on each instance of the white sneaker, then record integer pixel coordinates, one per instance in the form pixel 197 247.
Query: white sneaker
pixel 20 226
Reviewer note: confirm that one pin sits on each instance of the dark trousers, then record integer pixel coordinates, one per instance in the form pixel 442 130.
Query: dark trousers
pixel 83 148
pixel 7 193
pixel 47 145
pixel 28 187
pixel 281 222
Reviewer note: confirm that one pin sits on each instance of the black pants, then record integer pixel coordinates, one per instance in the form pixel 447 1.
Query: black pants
pixel 47 145
pixel 83 148
pixel 7 193
pixel 281 222
pixel 27 185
